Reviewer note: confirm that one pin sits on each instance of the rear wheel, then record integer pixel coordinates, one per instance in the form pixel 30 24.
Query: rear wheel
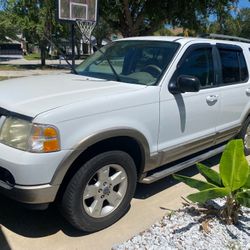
pixel 245 136
pixel 100 191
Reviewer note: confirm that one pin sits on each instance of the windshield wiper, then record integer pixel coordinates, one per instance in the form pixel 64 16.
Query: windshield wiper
pixel 110 64
pixel 105 56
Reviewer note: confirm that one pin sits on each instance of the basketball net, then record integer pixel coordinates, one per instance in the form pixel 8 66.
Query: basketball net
pixel 86 29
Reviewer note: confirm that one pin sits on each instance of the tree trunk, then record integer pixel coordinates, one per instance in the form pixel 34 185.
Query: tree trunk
pixel 43 53
pixel 99 42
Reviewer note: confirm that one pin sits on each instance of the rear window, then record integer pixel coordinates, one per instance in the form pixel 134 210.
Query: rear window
pixel 234 68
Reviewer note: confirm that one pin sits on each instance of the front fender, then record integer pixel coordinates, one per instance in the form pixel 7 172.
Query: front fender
pixel 98 137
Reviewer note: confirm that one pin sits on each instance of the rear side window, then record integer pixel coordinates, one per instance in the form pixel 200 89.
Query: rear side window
pixel 234 68
pixel 243 68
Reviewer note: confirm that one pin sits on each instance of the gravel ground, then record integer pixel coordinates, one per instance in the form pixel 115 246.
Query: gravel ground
pixel 187 228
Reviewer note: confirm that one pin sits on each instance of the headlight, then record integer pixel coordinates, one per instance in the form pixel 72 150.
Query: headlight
pixel 31 137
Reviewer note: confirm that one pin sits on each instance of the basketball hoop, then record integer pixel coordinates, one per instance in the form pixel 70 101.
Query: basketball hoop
pixel 86 28
pixel 82 12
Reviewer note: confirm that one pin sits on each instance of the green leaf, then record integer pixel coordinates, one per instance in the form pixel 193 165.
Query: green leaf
pixel 234 166
pixel 200 185
pixel 244 198
pixel 247 184
pixel 208 194
pixel 210 175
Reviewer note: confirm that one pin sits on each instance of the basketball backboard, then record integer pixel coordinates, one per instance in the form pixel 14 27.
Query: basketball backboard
pixel 73 10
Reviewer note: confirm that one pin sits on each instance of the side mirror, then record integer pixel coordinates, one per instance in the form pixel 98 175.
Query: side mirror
pixel 184 84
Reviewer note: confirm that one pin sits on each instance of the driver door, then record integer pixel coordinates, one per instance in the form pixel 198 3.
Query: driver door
pixel 188 120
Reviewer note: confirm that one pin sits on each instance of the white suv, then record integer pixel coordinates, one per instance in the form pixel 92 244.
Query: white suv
pixel 85 139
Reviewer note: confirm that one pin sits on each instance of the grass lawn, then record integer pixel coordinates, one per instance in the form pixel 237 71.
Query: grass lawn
pixel 9 67
pixel 6 77
pixel 33 56
pixel 3 78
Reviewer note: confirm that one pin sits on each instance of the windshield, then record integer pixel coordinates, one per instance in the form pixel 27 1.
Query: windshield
pixel 139 62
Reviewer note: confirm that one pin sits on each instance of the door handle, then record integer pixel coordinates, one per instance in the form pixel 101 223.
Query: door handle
pixel 212 99
pixel 248 91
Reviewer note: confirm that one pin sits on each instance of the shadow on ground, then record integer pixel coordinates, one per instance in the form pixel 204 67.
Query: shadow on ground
pixel 4 245
pixel 34 224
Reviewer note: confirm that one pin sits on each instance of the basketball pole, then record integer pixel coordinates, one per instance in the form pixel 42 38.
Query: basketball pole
pixel 73 44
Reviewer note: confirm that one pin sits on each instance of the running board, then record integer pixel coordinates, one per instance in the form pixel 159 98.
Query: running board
pixel 171 170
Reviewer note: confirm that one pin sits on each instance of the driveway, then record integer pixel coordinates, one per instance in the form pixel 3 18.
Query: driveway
pixel 31 230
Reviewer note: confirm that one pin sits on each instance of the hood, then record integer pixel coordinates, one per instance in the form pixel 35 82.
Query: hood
pixel 34 95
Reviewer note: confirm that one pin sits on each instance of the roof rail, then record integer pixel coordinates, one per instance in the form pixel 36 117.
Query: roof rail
pixel 225 37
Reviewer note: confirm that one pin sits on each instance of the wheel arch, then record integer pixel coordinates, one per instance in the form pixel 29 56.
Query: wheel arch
pixel 114 139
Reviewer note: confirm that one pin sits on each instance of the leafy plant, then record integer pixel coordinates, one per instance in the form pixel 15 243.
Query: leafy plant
pixel 232 182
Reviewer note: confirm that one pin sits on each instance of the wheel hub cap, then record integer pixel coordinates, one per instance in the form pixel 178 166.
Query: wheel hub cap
pixel 105 191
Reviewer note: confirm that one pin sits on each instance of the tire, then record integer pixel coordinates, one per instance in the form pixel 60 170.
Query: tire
pixel 93 200
pixel 244 134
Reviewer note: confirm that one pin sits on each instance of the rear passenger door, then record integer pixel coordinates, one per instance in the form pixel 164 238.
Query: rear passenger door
pixel 234 89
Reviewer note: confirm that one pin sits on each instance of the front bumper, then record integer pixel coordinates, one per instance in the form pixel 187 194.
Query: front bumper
pixel 30 169
pixel 30 194
pixel 26 177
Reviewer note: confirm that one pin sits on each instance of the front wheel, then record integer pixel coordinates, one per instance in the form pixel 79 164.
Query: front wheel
pixel 100 191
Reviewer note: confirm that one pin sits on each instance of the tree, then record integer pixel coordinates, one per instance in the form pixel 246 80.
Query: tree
pixel 8 30
pixel 101 31
pixel 238 25
pixel 144 17
pixel 36 19
pixel 244 20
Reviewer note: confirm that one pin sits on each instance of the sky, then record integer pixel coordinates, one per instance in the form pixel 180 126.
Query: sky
pixel 244 4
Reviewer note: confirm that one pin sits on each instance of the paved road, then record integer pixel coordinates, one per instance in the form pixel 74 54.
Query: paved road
pixel 23 229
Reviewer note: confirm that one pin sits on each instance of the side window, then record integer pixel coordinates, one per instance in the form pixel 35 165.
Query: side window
pixel 243 68
pixel 234 68
pixel 230 66
pixel 199 63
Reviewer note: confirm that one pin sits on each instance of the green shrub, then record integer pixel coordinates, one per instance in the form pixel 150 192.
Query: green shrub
pixel 232 182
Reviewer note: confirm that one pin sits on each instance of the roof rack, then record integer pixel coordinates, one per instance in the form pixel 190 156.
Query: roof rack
pixel 225 37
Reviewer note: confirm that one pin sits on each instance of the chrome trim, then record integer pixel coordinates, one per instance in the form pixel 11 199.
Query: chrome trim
pixel 30 194
pixel 168 171
pixel 98 137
